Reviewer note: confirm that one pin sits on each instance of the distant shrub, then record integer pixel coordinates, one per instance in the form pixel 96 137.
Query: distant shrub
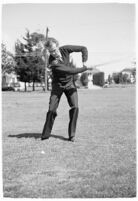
pixel 116 78
pixel 125 78
pixel 121 78
pixel 98 79
pixel 8 89
pixel 84 79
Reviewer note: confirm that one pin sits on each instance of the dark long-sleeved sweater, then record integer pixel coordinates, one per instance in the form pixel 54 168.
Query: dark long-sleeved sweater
pixel 61 70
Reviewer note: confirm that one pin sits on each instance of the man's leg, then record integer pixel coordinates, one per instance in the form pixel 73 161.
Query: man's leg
pixel 72 97
pixel 51 114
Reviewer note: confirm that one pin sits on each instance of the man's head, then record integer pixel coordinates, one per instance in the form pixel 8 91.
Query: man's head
pixel 52 46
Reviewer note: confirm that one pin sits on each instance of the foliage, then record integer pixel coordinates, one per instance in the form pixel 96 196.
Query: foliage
pixel 123 76
pixel 116 77
pixel 29 58
pixel 8 63
pixel 110 79
pixel 98 78
pixel 84 79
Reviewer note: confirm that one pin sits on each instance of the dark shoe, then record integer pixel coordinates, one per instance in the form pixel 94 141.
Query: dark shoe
pixel 72 139
pixel 44 138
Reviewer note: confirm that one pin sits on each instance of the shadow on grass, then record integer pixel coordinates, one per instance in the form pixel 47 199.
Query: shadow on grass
pixel 37 135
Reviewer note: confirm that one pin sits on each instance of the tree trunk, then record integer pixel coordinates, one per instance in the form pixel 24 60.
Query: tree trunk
pixel 33 86
pixel 25 87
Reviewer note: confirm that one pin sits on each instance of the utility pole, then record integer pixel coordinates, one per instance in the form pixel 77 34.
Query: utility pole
pixel 46 61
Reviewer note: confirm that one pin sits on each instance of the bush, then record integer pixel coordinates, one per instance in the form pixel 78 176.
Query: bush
pixel 8 89
pixel 84 79
pixel 98 79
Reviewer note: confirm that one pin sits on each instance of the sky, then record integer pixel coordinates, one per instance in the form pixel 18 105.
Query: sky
pixel 106 29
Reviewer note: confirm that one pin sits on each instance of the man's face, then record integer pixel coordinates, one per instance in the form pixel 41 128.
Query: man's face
pixel 54 50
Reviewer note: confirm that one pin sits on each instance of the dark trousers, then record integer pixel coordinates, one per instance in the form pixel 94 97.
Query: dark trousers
pixel 72 98
pixel 56 93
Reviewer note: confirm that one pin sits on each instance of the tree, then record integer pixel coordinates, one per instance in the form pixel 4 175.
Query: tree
pixel 29 58
pixel 98 79
pixel 84 79
pixel 8 63
pixel 134 73
pixel 109 79
pixel 125 78
pixel 115 77
pixel 22 67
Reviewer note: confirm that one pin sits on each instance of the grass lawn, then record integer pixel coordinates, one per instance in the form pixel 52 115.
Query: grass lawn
pixel 101 163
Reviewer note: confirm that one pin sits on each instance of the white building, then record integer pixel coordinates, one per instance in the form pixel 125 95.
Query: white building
pixel 8 79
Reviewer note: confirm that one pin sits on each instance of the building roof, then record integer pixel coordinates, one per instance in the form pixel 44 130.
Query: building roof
pixel 129 70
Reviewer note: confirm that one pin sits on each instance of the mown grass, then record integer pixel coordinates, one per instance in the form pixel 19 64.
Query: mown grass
pixel 101 163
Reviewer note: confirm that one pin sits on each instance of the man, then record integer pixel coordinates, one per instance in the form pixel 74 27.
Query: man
pixel 62 82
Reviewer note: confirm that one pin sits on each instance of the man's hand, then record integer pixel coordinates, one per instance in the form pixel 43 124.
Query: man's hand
pixel 85 65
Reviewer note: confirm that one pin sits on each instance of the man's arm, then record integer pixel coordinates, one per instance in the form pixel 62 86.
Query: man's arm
pixel 76 48
pixel 65 69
